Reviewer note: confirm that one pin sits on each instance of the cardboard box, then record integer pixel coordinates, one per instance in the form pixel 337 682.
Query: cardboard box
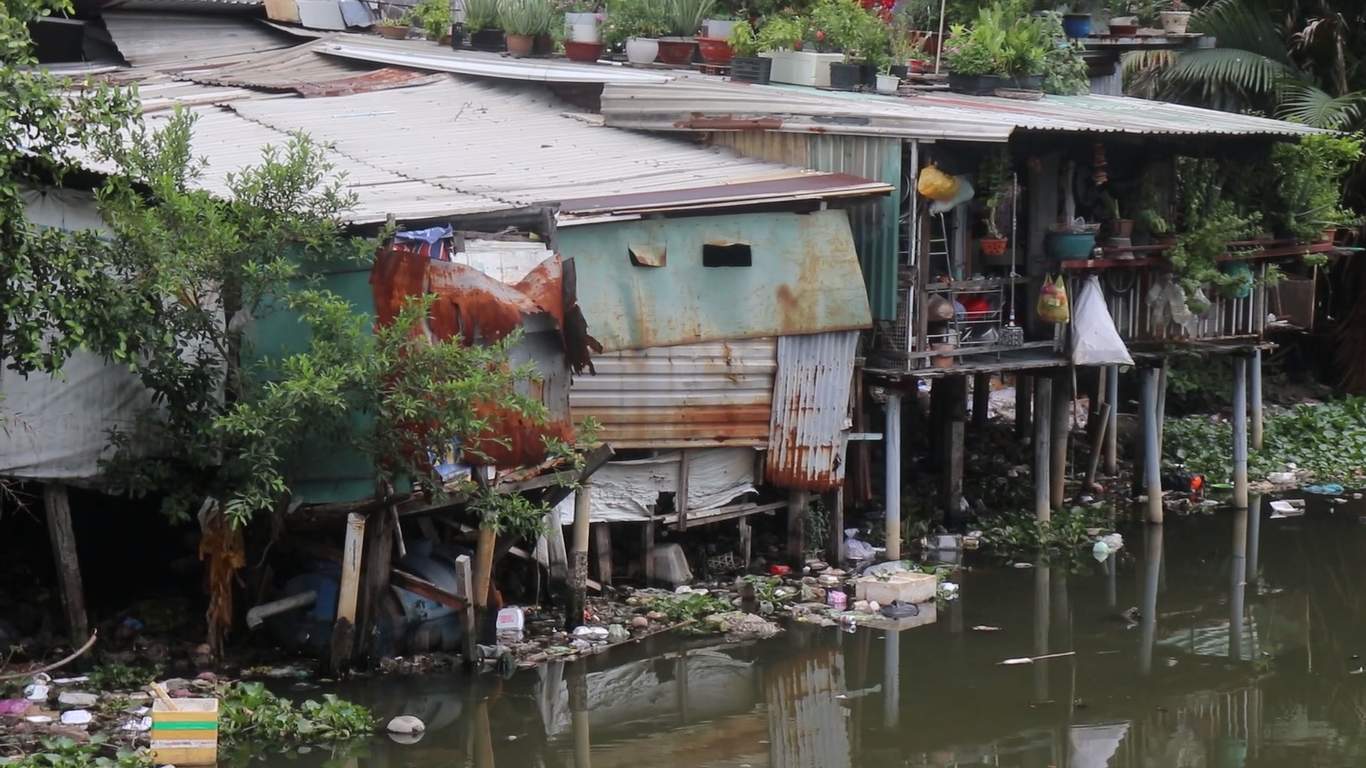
pixel 187 735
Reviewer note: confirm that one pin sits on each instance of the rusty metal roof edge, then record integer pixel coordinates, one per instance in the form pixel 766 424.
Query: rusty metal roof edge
pixel 806 186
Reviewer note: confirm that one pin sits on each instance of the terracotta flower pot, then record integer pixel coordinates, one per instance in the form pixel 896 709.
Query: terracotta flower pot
pixel 391 32
pixel 715 50
pixel 993 246
pixel 575 50
pixel 521 46
pixel 1167 240
pixel 676 50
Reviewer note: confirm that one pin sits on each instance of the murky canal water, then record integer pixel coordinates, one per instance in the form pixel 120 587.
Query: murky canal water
pixel 1246 639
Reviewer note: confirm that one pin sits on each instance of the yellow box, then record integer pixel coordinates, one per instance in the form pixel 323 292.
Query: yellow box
pixel 187 735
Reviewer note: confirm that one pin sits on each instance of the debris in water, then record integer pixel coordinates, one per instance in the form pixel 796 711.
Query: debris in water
pixel 985 628
pixel 1032 659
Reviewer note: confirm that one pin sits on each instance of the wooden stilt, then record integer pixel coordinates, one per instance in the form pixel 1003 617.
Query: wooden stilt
pixel 380 527
pixel 1024 405
pixel 1112 429
pixel 602 540
pixel 796 528
pixel 464 587
pixel 1061 413
pixel 1258 412
pixel 746 542
pixel 344 631
pixel 63 536
pixel 981 403
pixel 955 422
pixel 647 551
pixel 1043 424
pixel 834 535
pixel 940 399
pixel 483 583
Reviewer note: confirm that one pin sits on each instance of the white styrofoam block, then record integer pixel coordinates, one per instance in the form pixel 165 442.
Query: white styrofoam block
pixel 802 67
pixel 906 586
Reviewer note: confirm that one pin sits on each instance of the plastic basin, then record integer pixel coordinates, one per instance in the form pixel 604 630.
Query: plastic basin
pixel 1068 246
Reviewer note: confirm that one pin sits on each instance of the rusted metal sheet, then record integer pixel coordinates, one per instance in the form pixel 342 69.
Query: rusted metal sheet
pixel 811 411
pixel 302 70
pixel 814 186
pixel 479 309
pixel 807 724
pixel 691 395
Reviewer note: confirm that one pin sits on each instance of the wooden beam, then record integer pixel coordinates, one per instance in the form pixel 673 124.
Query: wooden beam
pixel 796 528
pixel 464 579
pixel 729 512
pixel 59 529
pixel 343 632
pixel 380 526
pixel 602 539
pixel 681 497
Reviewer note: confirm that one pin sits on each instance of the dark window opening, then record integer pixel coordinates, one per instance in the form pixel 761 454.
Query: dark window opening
pixel 647 255
pixel 737 255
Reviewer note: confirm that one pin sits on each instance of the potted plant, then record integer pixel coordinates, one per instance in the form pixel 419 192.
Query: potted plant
pixel 747 66
pixel 434 16
pixel 522 22
pixel 1305 200
pixel 719 26
pixel 483 25
pixel 1212 221
pixel 1077 22
pixel 1176 18
pixel 840 26
pixel 993 180
pixel 1064 71
pixel 634 27
pixel 394 28
pixel 908 50
pixel 888 82
pixel 1115 225
pixel 783 39
pixel 1003 48
pixel 684 19
pixel 582 21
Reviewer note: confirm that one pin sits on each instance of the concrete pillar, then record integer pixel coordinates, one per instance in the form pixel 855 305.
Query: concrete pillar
pixel 892 475
pixel 1043 422
pixel 578 559
pixel 1152 459
pixel 1258 412
pixel 1240 433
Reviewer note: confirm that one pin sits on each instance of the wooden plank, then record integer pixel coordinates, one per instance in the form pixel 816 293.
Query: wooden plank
pixel 423 588
pixel 379 554
pixel 602 535
pixel 464 578
pixel 796 528
pixel 343 632
pixel 647 551
pixel 724 513
pixel 746 542
pixel 59 529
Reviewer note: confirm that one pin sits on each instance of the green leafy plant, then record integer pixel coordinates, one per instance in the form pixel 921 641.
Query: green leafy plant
pixel 435 18
pixel 66 752
pixel 1021 533
pixel 119 677
pixel 685 17
pixel 1003 40
pixel 1306 184
pixel 634 18
pixel 993 180
pixel 1212 220
pixel 525 17
pixel 406 20
pixel 743 40
pixel 247 711
pixel 783 32
pixel 481 15
pixel 689 606
pixel 1064 71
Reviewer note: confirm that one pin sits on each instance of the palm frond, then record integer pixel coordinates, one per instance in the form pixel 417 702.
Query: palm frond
pixel 1142 70
pixel 1216 70
pixel 1247 25
pixel 1313 106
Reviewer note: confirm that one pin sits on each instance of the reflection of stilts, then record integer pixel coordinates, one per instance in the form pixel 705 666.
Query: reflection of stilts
pixel 1254 530
pixel 1152 568
pixel 891 683
pixel 483 737
pixel 578 713
pixel 1237 585
pixel 1041 618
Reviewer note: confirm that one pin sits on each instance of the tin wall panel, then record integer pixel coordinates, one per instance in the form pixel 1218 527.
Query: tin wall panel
pixel 874 224
pixel 692 395
pixel 811 411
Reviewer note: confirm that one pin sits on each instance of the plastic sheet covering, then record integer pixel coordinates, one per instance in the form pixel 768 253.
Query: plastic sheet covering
pixel 624 491
pixel 1095 341
pixel 1093 746
pixel 57 427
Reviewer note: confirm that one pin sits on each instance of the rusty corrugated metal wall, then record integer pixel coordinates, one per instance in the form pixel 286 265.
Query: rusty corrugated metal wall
pixel 691 395
pixel 811 411
pixel 875 224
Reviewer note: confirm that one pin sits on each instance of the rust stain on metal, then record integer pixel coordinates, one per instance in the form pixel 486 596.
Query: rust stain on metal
pixel 368 82
pixel 478 309
pixel 699 122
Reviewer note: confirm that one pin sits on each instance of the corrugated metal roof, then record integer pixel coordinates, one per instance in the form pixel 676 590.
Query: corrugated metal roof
pixel 167 41
pixel 715 393
pixel 201 6
pixel 413 53
pixel 514 144
pixel 811 411
pixel 302 70
pixel 698 104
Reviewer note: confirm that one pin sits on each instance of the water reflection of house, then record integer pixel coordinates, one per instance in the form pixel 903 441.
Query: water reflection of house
pixel 808 725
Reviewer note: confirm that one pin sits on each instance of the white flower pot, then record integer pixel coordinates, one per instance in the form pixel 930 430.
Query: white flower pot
pixel 586 32
pixel 1175 22
pixel 888 83
pixel 802 67
pixel 640 50
pixel 718 29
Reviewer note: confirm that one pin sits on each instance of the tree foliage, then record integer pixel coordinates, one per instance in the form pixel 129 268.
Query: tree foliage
pixel 50 298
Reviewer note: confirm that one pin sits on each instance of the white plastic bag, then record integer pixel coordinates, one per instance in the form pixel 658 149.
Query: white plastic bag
pixel 965 193
pixel 1095 341
pixel 856 550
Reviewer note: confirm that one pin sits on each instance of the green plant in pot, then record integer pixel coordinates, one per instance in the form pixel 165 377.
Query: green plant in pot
pixel 994 179
pixel 394 27
pixel 684 19
pixel 522 22
pixel 747 66
pixel 483 25
pixel 783 32
pixel 1306 185
pixel 1116 224
pixel 1064 71
pixel 846 27
pixel 434 16
pixel 1212 221
pixel 1005 47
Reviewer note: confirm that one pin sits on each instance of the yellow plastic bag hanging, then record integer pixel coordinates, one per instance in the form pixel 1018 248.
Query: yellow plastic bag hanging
pixel 936 185
pixel 1053 301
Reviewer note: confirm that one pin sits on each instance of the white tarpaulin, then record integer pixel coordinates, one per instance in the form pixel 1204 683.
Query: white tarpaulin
pixel 1094 745
pixel 57 427
pixel 625 491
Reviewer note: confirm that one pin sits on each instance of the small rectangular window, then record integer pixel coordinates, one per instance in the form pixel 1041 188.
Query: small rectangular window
pixel 721 255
